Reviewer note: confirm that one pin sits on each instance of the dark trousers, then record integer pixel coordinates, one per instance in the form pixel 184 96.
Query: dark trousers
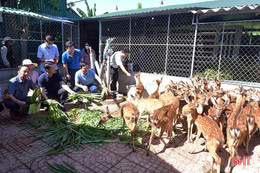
pixel 61 96
pixel 72 73
pixel 114 78
pixel 14 107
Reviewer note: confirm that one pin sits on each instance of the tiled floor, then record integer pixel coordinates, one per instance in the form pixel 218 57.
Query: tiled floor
pixel 16 151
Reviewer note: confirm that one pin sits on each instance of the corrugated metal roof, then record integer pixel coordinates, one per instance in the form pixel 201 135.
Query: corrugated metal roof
pixel 32 14
pixel 173 8
pixel 227 9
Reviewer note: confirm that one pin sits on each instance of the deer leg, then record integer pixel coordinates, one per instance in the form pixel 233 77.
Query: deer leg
pixel 161 133
pixel 196 141
pixel 188 137
pixel 212 147
pixel 191 129
pixel 231 152
pixel 170 131
pixel 123 130
pixel 151 139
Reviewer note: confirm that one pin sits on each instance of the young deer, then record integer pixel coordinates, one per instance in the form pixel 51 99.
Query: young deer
pixel 155 94
pixel 216 112
pixel 236 127
pixel 139 86
pixel 129 113
pixel 163 118
pixel 210 130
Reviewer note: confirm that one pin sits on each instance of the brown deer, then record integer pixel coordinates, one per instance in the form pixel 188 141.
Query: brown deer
pixel 129 113
pixel 216 112
pixel 210 130
pixel 155 94
pixel 163 118
pixel 139 86
pixel 236 127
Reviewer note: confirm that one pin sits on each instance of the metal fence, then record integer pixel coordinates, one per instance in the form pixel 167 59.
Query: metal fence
pixel 178 45
pixel 28 33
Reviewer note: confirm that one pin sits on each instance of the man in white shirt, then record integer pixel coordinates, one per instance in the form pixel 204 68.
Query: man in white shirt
pixel 116 61
pixel 48 51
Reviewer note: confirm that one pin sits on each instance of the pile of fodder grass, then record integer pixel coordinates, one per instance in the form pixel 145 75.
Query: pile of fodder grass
pixel 76 127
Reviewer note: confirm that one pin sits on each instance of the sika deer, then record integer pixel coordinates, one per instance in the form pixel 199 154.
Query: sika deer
pixel 163 118
pixel 130 114
pixel 147 105
pixel 155 94
pixel 236 127
pixel 210 130
pixel 216 112
pixel 139 86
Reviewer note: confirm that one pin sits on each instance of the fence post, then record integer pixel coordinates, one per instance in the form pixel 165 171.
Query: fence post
pixel 221 48
pixel 41 28
pixel 194 45
pixel 100 41
pixel 129 44
pixel 167 44
pixel 71 33
pixel 62 41
pixel 79 35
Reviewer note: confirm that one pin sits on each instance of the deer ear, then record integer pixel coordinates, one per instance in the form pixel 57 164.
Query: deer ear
pixel 213 101
pixel 186 98
pixel 107 110
pixel 226 102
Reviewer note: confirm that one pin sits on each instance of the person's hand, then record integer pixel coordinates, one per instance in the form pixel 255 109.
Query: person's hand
pixel 128 74
pixel 23 104
pixel 72 92
pixel 5 97
pixel 68 77
pixel 85 88
pixel 48 101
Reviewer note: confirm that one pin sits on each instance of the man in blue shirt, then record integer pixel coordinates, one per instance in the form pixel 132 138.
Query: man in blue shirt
pixel 51 84
pixel 70 60
pixel 18 88
pixel 85 79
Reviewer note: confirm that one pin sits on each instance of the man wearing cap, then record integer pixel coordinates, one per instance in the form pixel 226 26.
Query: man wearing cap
pixel 7 53
pixel 48 51
pixel 33 74
pixel 18 88
pixel 70 60
pixel 51 84
pixel 117 61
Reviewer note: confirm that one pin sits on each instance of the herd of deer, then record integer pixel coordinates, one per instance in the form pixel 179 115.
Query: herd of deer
pixel 223 117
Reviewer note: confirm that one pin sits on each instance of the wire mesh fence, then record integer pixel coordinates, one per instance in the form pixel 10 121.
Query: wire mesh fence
pixel 174 45
pixel 28 33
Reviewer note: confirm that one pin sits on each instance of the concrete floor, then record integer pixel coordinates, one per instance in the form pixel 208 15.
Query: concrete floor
pixel 16 151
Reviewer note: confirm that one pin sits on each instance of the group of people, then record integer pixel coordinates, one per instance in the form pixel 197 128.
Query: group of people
pixel 76 65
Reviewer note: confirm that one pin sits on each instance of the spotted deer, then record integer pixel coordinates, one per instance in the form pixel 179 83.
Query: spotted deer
pixel 146 105
pixel 139 86
pixel 236 127
pixel 155 94
pixel 216 112
pixel 210 130
pixel 130 115
pixel 163 118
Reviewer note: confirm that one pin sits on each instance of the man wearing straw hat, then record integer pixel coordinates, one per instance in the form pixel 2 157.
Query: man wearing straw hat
pixel 7 53
pixel 33 74
pixel 48 51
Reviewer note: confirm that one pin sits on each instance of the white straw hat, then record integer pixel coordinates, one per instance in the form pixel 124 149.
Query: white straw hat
pixel 6 39
pixel 29 62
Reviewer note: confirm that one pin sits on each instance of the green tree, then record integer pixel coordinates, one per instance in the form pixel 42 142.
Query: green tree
pixel 33 5
pixel 90 11
pixel 139 5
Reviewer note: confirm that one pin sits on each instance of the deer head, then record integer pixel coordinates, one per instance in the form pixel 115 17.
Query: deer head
pixel 105 116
